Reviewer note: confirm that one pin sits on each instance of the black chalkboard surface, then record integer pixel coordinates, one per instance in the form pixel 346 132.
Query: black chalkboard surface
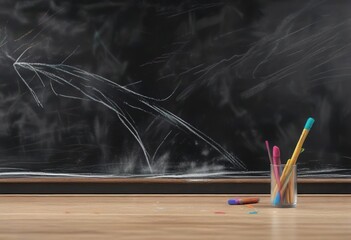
pixel 187 89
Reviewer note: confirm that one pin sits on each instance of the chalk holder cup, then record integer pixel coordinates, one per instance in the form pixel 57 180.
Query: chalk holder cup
pixel 283 190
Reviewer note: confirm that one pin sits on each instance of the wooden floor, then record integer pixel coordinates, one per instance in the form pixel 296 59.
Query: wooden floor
pixel 171 217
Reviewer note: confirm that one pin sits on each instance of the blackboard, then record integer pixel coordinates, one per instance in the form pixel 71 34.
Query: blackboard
pixel 187 89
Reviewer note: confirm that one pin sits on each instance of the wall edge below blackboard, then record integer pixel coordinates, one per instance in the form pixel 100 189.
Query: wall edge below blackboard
pixel 165 186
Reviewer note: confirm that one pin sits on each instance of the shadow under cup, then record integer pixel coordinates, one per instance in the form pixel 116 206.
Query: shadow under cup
pixel 283 186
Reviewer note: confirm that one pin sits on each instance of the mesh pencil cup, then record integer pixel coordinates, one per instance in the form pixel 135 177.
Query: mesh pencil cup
pixel 283 186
